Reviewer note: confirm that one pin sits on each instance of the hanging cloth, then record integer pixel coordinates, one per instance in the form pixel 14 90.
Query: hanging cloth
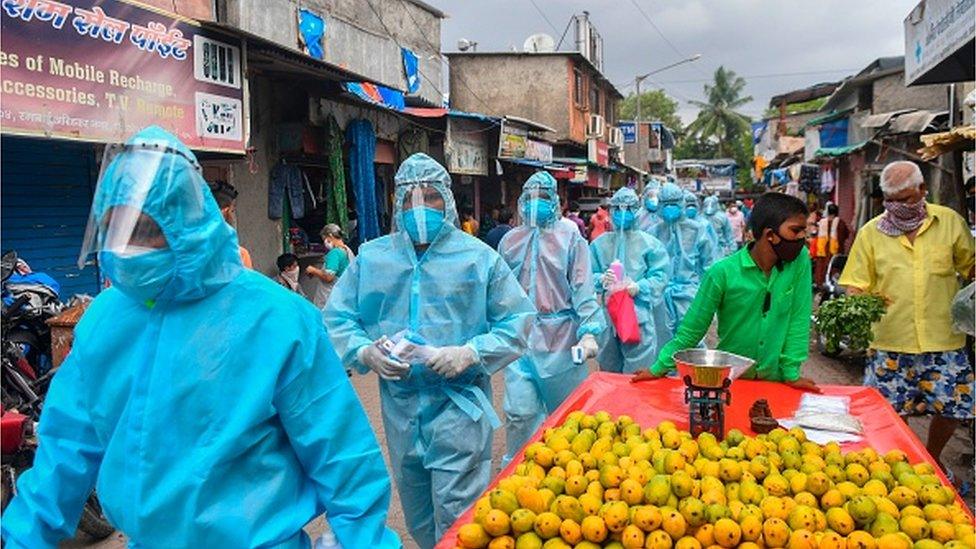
pixel 362 151
pixel 336 209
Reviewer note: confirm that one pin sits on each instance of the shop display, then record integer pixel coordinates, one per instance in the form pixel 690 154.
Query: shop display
pixel 601 481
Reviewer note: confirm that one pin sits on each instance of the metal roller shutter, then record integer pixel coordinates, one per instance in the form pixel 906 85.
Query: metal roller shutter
pixel 44 203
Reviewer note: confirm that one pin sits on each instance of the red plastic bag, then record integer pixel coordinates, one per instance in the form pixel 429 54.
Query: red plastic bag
pixel 620 307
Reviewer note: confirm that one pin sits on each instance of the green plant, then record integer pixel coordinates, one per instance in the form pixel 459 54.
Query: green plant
pixel 849 318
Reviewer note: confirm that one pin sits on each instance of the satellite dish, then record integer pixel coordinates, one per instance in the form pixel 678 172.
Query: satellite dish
pixel 464 45
pixel 539 43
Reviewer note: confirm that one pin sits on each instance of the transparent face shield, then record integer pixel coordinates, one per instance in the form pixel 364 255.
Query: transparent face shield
pixel 118 221
pixel 422 213
pixel 538 207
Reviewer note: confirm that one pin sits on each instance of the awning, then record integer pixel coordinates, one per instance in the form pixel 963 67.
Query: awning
pixel 881 119
pixel 556 169
pixel 834 152
pixel 829 117
pixel 914 122
pixel 937 144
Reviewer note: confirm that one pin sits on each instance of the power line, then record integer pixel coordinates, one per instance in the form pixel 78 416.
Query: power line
pixel 437 49
pixel 543 14
pixel 772 75
pixel 397 42
pixel 661 33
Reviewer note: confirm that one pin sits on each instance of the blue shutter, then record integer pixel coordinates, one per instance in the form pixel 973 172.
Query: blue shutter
pixel 44 203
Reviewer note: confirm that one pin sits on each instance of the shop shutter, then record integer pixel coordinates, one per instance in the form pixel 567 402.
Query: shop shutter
pixel 46 196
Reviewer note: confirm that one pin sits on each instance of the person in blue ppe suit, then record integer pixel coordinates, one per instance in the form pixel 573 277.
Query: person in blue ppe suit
pixel 648 214
pixel 203 400
pixel 715 215
pixel 691 252
pixel 552 264
pixel 645 264
pixel 450 292
pixel 693 211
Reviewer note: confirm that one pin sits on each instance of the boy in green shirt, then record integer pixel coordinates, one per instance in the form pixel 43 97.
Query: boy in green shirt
pixel 762 295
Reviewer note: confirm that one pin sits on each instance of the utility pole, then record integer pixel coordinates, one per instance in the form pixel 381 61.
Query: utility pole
pixel 642 154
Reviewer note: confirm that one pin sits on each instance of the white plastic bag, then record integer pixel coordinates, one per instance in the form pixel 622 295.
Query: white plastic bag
pixel 964 310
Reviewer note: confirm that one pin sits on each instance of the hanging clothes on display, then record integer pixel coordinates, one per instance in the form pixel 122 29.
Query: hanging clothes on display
pixel 336 209
pixel 286 178
pixel 827 180
pixel 362 151
pixel 810 178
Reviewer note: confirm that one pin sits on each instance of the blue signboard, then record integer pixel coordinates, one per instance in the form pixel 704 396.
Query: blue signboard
pixel 629 130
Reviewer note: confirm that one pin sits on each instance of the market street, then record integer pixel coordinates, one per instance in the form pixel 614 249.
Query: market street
pixel 959 451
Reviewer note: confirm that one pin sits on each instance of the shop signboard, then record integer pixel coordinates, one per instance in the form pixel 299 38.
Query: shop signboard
pixel 579 174
pixel 598 152
pixel 512 141
pixel 466 147
pixel 100 71
pixel 934 31
pixel 629 130
pixel 538 150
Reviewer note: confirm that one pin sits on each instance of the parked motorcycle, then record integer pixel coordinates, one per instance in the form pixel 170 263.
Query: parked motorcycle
pixel 26 337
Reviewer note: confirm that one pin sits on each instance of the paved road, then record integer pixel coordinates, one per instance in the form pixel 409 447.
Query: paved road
pixel 821 369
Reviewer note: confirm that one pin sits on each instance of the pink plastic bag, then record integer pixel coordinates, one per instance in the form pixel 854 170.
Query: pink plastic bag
pixel 620 307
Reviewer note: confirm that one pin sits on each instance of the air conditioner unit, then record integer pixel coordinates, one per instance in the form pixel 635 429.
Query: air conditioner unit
pixel 596 127
pixel 616 137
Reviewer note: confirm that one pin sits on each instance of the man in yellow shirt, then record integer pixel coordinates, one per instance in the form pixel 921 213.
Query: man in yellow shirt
pixel 913 255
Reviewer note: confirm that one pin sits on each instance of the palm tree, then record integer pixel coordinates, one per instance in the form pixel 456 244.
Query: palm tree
pixel 718 118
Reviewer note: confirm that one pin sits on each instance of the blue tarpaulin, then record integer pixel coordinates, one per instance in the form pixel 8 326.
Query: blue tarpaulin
pixel 834 134
pixel 758 129
pixel 410 69
pixel 312 29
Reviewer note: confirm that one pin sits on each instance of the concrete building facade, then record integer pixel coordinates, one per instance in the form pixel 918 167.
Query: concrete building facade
pixel 558 89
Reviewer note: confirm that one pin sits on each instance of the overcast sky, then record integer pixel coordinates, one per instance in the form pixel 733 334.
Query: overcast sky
pixel 823 39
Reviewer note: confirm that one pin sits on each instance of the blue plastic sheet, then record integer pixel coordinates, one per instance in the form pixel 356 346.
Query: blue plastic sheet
pixel 411 70
pixel 312 28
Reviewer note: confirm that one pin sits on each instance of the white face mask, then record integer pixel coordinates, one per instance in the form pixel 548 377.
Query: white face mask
pixel 291 276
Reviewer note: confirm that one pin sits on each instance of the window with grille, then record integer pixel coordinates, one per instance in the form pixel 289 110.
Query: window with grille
pixel 216 62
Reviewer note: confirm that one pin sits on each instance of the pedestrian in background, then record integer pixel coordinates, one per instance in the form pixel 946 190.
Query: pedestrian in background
pixel 649 205
pixel 831 239
pixel 738 223
pixel 468 223
pixel 504 225
pixel 720 225
pixel 288 273
pixel 599 222
pixel 574 216
pixel 335 262
pixel 913 255
pixel 226 196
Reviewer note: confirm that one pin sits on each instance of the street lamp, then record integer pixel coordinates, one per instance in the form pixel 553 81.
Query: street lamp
pixel 637 83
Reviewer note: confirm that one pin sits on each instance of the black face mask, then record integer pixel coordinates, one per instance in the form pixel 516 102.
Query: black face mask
pixel 787 250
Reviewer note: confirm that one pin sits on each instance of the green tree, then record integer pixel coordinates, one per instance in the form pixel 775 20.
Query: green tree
pixel 655 105
pixel 718 118
pixel 692 147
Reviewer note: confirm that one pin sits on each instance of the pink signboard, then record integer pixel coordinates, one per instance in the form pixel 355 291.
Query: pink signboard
pixel 102 70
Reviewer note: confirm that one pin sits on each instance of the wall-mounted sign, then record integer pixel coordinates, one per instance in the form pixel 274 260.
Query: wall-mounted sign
pixel 103 70
pixel 598 152
pixel 629 130
pixel 579 174
pixel 935 31
pixel 538 150
pixel 512 141
pixel 465 148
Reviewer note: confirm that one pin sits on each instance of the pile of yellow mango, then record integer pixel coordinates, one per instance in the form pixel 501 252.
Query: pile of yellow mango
pixel 598 481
